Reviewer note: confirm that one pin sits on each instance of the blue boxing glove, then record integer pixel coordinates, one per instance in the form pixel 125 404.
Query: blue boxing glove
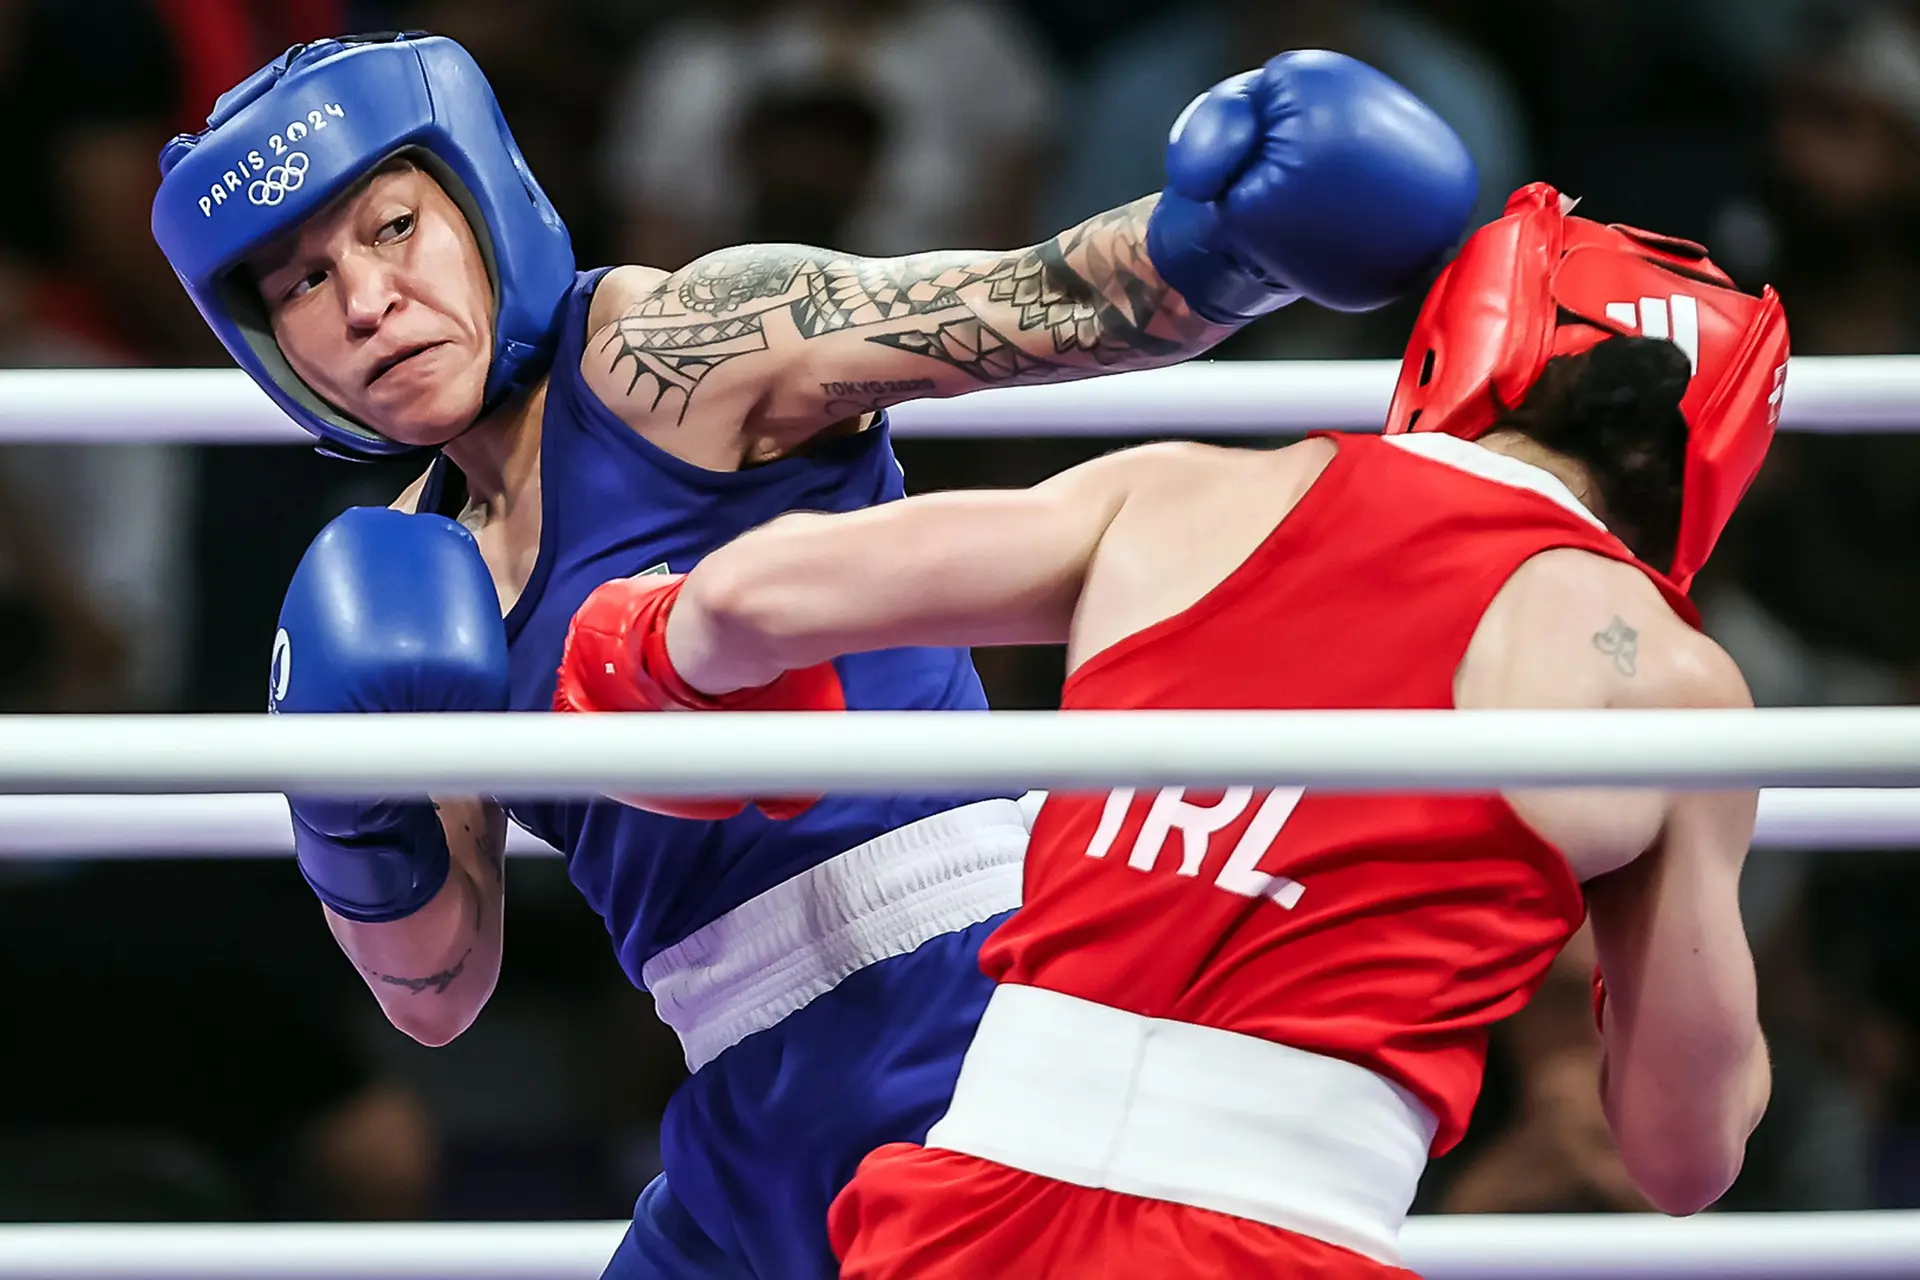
pixel 1313 177
pixel 387 612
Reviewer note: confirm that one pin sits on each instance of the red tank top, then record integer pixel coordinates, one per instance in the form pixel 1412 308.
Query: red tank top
pixel 1386 930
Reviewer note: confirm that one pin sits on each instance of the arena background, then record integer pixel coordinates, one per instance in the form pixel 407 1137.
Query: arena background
pixel 180 1040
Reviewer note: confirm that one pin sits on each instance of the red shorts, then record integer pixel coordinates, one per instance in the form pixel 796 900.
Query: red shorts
pixel 915 1214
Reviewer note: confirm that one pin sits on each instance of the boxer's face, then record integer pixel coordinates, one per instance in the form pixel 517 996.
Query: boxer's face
pixel 382 305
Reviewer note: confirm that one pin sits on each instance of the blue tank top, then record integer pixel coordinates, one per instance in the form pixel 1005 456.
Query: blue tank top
pixel 613 505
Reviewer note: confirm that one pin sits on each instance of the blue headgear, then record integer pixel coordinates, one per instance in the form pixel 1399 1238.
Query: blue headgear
pixel 306 127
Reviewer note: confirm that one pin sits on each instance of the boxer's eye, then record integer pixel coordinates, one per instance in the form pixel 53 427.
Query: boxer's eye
pixel 300 288
pixel 395 229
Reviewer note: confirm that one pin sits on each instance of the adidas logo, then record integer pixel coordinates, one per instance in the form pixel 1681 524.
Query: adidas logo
pixel 1778 396
pixel 1675 318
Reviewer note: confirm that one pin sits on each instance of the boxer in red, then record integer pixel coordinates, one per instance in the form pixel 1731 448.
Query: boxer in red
pixel 1231 1026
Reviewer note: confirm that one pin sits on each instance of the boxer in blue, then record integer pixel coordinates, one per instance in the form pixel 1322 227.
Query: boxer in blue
pixel 358 227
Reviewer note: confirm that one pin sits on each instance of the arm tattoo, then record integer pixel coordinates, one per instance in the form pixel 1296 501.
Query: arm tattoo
pixel 973 348
pixel 490 840
pixel 491 844
pixel 438 982
pixel 1621 643
pixel 732 281
pixel 1086 301
pixel 493 847
pixel 852 399
pixel 673 359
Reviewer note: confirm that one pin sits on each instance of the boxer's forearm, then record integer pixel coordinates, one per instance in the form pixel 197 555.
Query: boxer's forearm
pixel 802 337
pixel 976 567
pixel 433 970
pixel 1685 1076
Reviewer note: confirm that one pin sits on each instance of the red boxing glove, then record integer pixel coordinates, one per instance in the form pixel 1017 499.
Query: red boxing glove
pixel 615 659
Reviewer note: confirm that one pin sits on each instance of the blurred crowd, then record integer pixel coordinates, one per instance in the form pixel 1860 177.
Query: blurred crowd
pixel 182 1040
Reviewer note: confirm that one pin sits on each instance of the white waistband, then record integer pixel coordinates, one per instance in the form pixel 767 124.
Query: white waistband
pixel 1099 1097
pixel 775 954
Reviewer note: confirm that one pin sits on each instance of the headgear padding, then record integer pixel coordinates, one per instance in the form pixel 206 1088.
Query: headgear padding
pixel 1537 283
pixel 301 130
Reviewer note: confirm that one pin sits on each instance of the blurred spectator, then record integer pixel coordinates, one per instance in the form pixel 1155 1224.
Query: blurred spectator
pixel 92 547
pixel 807 159
pixel 58 649
pixel 1819 596
pixel 1557 1155
pixel 67 644
pixel 552 77
pixel 172 1056
pixel 1840 993
pixel 1641 107
pixel 1836 225
pixel 98 536
pixel 100 86
pixel 1814 596
pixel 953 96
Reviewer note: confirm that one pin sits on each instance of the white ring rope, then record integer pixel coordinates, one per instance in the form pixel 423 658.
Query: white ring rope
pixel 257 826
pixel 1747 1246
pixel 1209 398
pixel 891 751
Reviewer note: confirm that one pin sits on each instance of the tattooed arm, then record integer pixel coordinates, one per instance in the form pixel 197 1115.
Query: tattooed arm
pixel 763 346
pixel 434 970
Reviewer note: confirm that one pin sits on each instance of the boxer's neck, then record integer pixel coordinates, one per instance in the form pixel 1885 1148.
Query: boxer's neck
pixel 1572 474
pixel 500 454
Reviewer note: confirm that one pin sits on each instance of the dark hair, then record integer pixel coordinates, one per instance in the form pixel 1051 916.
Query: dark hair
pixel 1615 409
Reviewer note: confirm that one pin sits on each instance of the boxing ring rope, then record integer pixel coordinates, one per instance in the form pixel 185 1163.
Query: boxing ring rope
pixel 938 751
pixel 1218 398
pixel 1832 1246
pixel 257 826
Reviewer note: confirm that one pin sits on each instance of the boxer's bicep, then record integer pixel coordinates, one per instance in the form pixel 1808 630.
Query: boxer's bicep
pixel 978 567
pixel 434 970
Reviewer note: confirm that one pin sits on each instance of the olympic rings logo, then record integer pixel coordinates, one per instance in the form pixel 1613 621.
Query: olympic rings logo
pixel 280 669
pixel 280 181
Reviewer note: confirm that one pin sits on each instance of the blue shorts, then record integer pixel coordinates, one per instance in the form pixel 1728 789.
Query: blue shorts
pixel 760 1140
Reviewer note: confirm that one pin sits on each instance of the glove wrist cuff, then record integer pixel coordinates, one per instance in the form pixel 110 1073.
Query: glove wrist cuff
pixel 1186 247
pixel 647 643
pixel 381 875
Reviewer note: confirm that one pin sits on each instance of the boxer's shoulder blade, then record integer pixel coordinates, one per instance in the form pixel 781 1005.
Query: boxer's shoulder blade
pixel 1188 517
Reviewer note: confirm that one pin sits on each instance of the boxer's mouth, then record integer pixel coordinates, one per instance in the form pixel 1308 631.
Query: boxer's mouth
pixel 388 364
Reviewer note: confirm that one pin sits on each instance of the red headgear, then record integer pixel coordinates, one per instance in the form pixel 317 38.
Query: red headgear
pixel 1537 283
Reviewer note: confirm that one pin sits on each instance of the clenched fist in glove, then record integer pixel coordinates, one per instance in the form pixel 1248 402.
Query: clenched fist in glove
pixel 1313 177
